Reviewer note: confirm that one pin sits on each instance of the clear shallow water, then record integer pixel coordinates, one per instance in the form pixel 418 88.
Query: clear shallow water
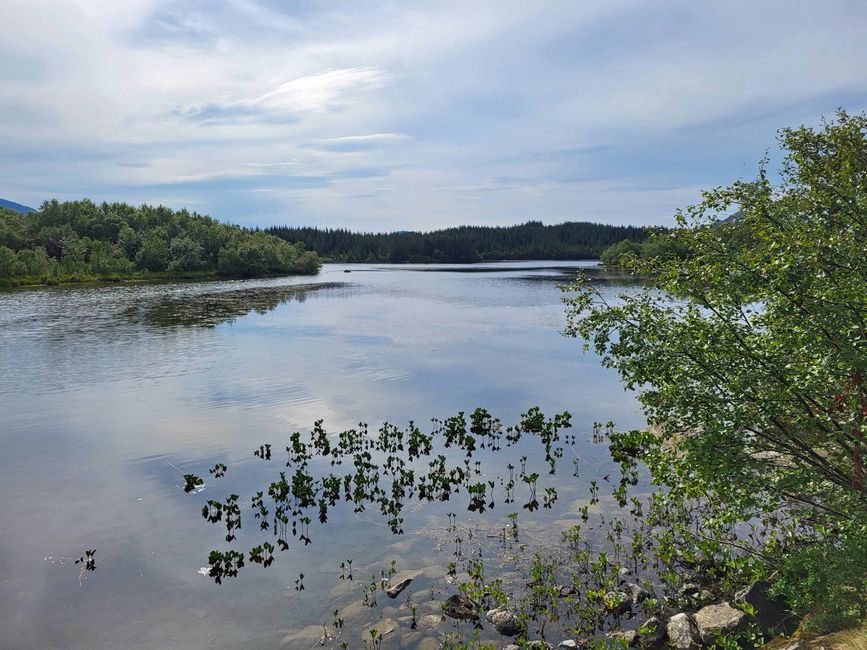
pixel 108 394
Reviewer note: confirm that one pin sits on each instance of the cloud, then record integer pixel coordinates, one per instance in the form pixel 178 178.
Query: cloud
pixel 370 137
pixel 385 115
pixel 312 93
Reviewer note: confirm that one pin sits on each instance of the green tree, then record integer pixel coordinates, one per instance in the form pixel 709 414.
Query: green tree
pixel 185 254
pixel 37 263
pixel 613 255
pixel 750 354
pixel 12 229
pixel 153 254
pixel 129 241
pixel 9 263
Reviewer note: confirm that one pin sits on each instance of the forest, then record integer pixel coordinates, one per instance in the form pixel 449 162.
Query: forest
pixel 80 241
pixel 530 240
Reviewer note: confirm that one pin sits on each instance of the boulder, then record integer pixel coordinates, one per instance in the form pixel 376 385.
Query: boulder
pixel 461 608
pixel 504 621
pixel 680 631
pixel 715 620
pixel 629 637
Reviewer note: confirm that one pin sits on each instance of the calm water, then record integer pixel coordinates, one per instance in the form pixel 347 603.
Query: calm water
pixel 109 394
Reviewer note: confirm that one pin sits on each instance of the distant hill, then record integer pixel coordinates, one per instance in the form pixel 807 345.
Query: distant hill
pixel 15 206
pixel 527 241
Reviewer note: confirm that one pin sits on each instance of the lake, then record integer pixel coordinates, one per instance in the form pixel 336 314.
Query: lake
pixel 109 394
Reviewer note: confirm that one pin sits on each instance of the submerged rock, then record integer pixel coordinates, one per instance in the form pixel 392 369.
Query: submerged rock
pixel 714 620
pixel 680 631
pixel 461 608
pixel 430 621
pixel 504 621
pixel 394 590
pixel 382 628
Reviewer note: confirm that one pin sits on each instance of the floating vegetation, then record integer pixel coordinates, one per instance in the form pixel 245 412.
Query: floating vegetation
pixel 623 561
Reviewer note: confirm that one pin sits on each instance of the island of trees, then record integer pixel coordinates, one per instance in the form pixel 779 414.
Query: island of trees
pixel 80 241
pixel 527 241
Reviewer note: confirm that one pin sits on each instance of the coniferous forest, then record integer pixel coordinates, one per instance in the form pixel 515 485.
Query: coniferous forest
pixel 527 241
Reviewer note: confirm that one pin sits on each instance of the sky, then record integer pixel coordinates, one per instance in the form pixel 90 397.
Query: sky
pixel 380 116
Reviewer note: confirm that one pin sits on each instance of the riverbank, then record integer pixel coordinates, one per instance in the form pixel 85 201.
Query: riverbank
pixel 23 282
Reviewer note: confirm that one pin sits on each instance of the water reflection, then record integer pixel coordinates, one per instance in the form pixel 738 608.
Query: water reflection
pixel 212 309
pixel 105 391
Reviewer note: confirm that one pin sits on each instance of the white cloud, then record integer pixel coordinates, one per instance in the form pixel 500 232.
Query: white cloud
pixel 369 137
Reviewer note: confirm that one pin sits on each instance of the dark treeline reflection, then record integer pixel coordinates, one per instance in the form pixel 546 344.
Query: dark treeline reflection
pixel 212 309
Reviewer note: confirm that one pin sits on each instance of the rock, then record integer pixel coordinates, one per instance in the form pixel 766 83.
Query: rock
pixel 394 590
pixel 618 601
pixel 567 590
pixel 651 633
pixel 714 620
pixel 639 593
pixel 771 613
pixel 568 643
pixel 629 637
pixel 385 626
pixel 690 590
pixel 624 572
pixel 461 608
pixel 504 621
pixel 305 635
pixel 680 631
pixel 427 643
pixel 429 621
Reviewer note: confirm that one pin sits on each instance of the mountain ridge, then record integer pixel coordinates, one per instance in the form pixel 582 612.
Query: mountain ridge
pixel 11 205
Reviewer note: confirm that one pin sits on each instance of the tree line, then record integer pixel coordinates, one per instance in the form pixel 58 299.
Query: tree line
pixel 531 240
pixel 80 240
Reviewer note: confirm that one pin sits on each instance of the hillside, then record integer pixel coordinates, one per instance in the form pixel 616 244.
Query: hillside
pixel 531 240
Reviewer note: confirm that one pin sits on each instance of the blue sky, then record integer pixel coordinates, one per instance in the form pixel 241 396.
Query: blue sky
pixel 412 115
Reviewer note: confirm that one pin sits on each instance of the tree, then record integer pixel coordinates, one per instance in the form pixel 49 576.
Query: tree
pixel 153 254
pixel 9 264
pixel 750 354
pixel 185 254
